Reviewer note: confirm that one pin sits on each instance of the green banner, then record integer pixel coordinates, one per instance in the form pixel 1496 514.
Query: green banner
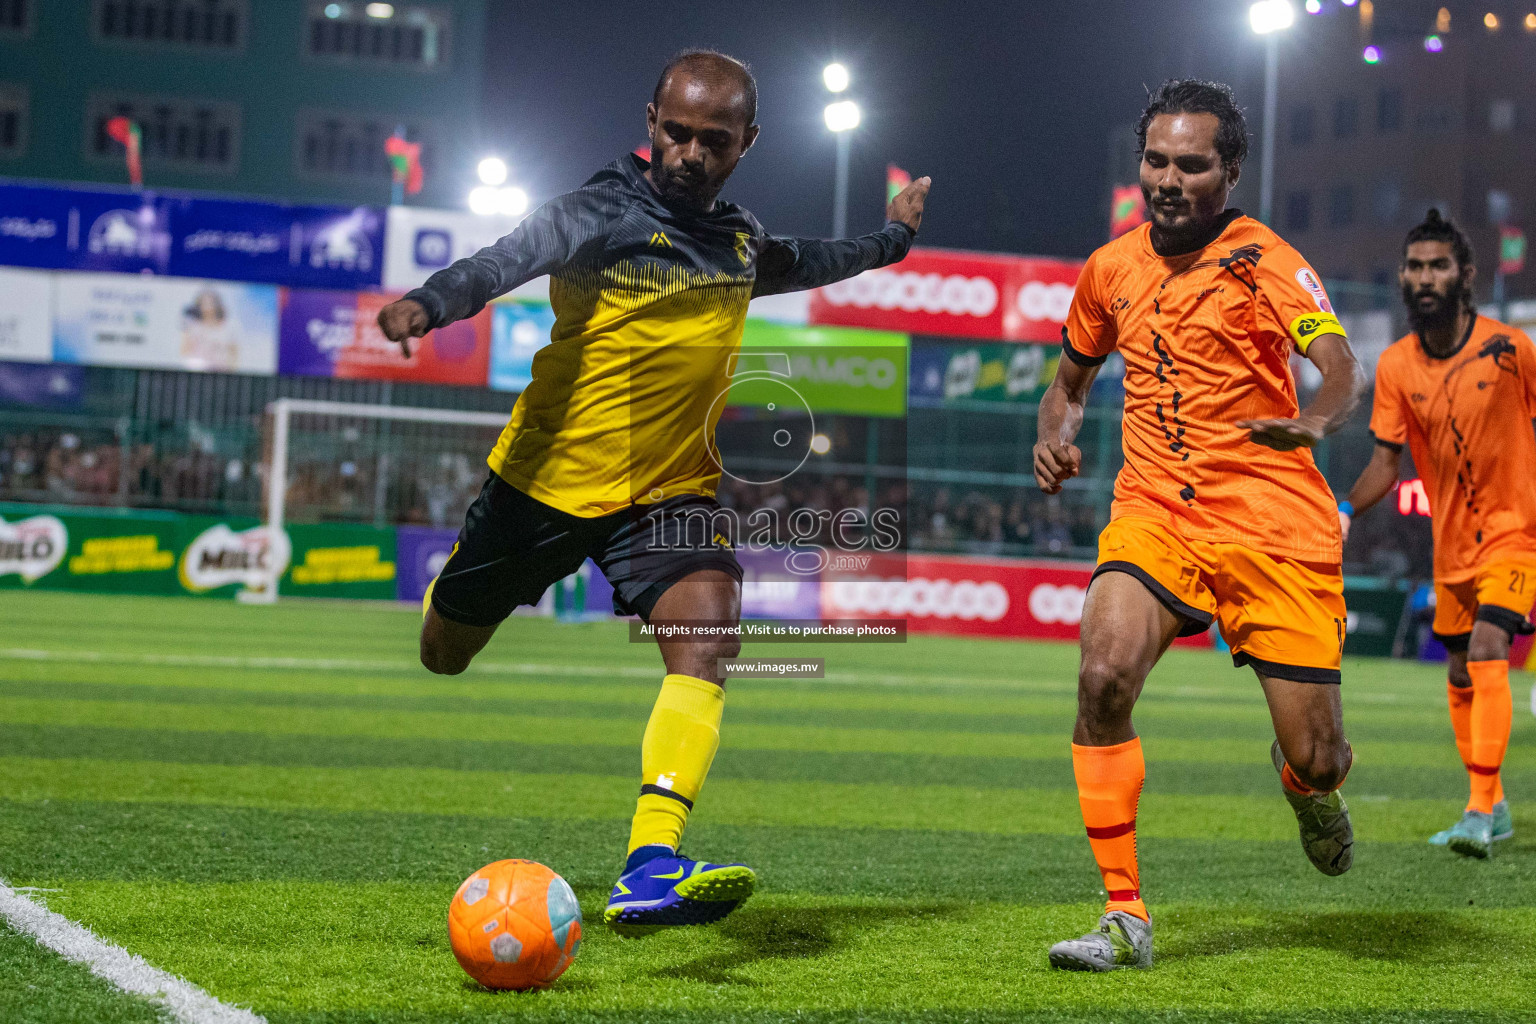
pixel 73 549
pixel 144 552
pixel 827 369
pixel 1375 608
pixel 334 560
pixel 951 374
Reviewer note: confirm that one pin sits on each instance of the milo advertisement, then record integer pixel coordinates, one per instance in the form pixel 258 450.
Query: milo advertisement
pixel 136 552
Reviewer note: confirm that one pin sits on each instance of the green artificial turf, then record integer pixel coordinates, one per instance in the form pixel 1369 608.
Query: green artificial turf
pixel 277 803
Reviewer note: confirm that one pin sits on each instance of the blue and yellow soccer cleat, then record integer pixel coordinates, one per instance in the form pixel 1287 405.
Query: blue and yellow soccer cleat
pixel 1503 826
pixel 670 891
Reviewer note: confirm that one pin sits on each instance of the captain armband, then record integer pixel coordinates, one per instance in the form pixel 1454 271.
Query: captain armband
pixel 1309 326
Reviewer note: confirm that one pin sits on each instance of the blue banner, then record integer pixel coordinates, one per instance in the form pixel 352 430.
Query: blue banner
pixel 187 236
pixel 518 331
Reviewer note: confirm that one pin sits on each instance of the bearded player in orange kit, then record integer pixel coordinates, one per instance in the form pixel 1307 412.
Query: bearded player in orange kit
pixel 1219 514
pixel 1460 392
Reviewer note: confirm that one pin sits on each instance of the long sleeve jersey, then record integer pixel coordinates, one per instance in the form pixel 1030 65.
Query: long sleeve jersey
pixel 650 303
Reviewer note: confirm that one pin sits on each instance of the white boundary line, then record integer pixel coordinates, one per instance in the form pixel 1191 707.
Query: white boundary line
pixel 185 1002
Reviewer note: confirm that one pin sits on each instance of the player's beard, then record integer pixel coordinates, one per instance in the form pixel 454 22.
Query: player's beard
pixel 1444 312
pixel 695 195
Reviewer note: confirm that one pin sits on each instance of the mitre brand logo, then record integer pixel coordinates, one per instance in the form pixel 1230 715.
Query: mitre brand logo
pixel 32 548
pixel 220 557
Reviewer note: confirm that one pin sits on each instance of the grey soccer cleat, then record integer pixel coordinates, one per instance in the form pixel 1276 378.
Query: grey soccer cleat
pixel 1121 940
pixel 1326 833
pixel 1503 826
pixel 1472 836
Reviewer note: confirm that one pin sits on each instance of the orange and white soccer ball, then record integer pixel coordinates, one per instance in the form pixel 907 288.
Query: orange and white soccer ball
pixel 514 924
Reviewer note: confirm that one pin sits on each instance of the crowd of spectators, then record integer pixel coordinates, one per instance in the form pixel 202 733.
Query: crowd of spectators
pixel 92 466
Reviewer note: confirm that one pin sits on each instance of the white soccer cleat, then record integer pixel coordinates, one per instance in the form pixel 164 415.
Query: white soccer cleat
pixel 1121 940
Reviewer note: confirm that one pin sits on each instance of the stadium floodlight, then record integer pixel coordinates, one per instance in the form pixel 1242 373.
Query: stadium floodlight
pixel 835 76
pixel 492 171
pixel 511 201
pixel 487 200
pixel 333 10
pixel 842 116
pixel 821 444
pixel 1269 16
pixel 380 10
pixel 482 200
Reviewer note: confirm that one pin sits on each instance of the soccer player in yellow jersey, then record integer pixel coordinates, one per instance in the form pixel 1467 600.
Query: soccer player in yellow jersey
pixel 609 452
pixel 1219 512
pixel 1460 392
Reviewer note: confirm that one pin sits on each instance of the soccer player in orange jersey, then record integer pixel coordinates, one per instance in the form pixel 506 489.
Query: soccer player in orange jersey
pixel 1460 391
pixel 1219 513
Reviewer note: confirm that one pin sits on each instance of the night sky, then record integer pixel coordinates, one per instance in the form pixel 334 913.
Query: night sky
pixel 1010 107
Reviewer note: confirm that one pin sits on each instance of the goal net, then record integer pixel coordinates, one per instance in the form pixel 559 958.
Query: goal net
pixel 384 465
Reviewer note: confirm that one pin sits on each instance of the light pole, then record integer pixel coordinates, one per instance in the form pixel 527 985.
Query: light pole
pixel 1269 18
pixel 842 116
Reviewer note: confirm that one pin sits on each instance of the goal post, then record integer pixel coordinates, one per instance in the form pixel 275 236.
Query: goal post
pixel 360 440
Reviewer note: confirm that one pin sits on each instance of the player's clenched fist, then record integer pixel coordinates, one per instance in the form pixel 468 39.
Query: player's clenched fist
pixel 403 320
pixel 1055 464
pixel 907 207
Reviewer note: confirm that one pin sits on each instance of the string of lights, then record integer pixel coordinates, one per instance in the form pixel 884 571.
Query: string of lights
pixel 1377 45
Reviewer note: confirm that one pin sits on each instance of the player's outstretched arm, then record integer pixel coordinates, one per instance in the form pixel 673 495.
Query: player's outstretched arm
pixel 1343 383
pixel 1057 459
pixel 1375 481
pixel 545 241
pixel 795 264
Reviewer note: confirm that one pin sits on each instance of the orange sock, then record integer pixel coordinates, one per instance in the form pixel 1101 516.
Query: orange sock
pixel 1493 709
pixel 1460 700
pixel 1109 783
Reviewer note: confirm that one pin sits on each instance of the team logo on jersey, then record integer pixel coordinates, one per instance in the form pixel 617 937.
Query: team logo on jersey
pixel 1309 281
pixel 744 247
pixel 660 240
pixel 1496 348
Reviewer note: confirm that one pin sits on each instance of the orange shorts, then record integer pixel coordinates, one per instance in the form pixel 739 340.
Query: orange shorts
pixel 1283 616
pixel 1501 593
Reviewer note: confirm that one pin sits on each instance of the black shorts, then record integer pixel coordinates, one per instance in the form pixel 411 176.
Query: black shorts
pixel 513 548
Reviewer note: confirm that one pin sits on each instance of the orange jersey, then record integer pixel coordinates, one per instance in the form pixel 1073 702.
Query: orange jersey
pixel 1467 419
pixel 1207 338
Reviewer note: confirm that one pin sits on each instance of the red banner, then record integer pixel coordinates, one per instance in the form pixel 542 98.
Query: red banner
pixel 961 294
pixel 1041 600
pixel 459 353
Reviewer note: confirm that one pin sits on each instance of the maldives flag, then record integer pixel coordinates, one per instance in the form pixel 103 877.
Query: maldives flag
pixel 896 179
pixel 405 162
pixel 1128 209
pixel 127 132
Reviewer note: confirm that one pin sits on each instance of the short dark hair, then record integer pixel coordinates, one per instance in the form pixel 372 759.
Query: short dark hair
pixel 1435 228
pixel 711 64
pixel 1193 96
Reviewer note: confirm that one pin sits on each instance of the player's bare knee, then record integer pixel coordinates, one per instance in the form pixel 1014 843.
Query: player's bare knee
pixel 1323 765
pixel 1458 675
pixel 1490 646
pixel 1106 689
pixel 440 662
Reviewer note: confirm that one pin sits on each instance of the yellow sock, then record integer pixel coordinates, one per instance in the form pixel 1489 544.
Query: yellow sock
pixel 679 745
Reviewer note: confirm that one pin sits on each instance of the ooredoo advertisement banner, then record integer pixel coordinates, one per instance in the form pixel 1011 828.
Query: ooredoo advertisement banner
pixel 165 323
pixel 971 597
pixel 336 334
pixel 957 294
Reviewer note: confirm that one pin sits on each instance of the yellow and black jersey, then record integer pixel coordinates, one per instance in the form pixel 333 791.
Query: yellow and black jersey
pixel 650 303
